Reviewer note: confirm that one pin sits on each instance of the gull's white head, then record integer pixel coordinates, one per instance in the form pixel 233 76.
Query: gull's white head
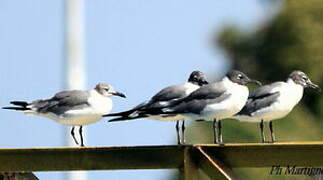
pixel 107 90
pixel 302 79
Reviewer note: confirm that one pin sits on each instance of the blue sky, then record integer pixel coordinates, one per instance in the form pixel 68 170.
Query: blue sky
pixel 137 46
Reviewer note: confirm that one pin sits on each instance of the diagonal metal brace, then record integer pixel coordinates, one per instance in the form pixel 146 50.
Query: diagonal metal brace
pixel 213 167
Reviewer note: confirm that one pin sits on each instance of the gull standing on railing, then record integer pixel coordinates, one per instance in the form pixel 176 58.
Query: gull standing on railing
pixel 274 101
pixel 214 101
pixel 162 99
pixel 73 108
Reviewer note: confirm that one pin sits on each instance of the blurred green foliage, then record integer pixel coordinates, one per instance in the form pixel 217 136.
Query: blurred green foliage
pixel 292 39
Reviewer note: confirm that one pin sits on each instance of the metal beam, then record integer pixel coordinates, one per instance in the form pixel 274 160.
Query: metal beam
pixel 212 159
pixel 91 158
pixel 268 154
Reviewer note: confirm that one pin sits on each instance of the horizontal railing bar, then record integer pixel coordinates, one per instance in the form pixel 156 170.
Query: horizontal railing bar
pixel 290 143
pixel 91 158
pixel 302 154
pixel 159 157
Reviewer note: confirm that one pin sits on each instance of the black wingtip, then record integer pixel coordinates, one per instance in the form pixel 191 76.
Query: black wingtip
pixel 121 119
pixel 16 108
pixel 112 114
pixel 20 103
pixel 116 120
pixel 123 114
pixel 22 106
pixel 127 118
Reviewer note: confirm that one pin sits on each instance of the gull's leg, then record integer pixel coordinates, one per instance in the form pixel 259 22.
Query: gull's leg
pixel 177 132
pixel 220 132
pixel 81 135
pixel 261 125
pixel 273 139
pixel 183 132
pixel 73 135
pixel 215 131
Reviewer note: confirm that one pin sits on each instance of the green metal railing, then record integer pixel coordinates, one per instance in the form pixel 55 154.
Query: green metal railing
pixel 216 161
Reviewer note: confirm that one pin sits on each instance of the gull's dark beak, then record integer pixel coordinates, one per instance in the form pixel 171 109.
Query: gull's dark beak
pixel 251 81
pixel 118 94
pixel 203 82
pixel 314 86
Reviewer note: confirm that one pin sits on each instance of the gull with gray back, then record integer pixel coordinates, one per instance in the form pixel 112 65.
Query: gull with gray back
pixel 162 99
pixel 214 101
pixel 72 108
pixel 274 101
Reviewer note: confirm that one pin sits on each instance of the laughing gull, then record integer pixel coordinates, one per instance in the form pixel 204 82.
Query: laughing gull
pixel 164 98
pixel 73 108
pixel 214 102
pixel 274 101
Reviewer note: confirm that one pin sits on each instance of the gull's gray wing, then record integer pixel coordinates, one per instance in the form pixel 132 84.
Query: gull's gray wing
pixel 163 98
pixel 166 97
pixel 264 91
pixel 62 102
pixel 260 98
pixel 199 99
pixel 170 93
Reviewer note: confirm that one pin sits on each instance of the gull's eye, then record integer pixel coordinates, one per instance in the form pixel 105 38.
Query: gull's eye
pixel 239 76
pixel 304 78
pixel 107 89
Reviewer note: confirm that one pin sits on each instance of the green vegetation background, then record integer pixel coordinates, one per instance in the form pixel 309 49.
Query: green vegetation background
pixel 292 39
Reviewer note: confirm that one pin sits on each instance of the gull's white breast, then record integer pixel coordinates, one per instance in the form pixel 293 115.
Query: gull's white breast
pixel 290 95
pixel 238 95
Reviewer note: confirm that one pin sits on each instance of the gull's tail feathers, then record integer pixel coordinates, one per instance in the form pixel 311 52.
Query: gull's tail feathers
pixel 127 118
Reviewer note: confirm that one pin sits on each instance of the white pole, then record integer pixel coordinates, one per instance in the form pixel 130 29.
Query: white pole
pixel 75 67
